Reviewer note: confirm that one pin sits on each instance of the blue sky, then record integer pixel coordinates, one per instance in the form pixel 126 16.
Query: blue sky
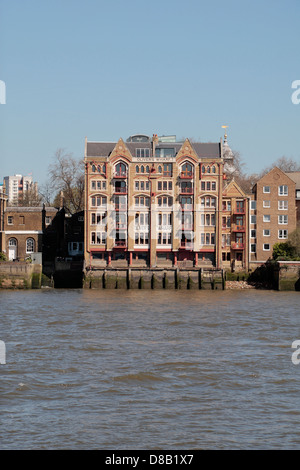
pixel 109 69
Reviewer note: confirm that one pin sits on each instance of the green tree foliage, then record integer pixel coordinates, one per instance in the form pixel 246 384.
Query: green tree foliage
pixel 284 251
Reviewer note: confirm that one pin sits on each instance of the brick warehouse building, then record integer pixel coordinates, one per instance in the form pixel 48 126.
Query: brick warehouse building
pixel 158 202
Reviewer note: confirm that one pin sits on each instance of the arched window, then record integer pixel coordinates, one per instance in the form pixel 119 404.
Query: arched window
pixel 137 169
pixel 120 169
pixel 203 169
pixel 93 168
pixel 187 170
pixel 142 169
pixel 12 242
pixel 213 169
pixel 30 245
pixel 159 169
pixel 208 169
pixel 147 169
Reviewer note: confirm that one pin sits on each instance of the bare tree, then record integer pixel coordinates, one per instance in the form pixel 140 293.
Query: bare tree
pixel 284 164
pixel 67 175
pixel 46 192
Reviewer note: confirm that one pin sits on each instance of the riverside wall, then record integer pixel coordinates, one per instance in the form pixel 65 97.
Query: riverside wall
pixel 19 275
pixel 155 278
pixel 281 276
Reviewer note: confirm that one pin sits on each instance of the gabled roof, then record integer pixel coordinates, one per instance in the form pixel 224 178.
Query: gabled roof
pixel 232 189
pixel 295 176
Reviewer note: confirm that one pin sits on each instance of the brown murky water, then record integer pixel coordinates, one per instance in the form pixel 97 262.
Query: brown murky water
pixel 149 370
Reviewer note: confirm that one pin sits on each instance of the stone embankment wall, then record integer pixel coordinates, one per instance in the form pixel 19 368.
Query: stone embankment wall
pixel 287 275
pixel 18 275
pixel 135 278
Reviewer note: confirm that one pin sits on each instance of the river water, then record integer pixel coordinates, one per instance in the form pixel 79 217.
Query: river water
pixel 137 369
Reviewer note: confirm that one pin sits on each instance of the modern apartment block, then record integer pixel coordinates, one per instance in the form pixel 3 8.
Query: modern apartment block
pixel 158 202
pixel 17 186
pixel 272 213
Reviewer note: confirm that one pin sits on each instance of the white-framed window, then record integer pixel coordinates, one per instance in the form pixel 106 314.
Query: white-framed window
pixel 267 232
pixel 141 238
pixel 266 203
pixel 266 218
pixel 48 220
pixel 282 234
pixel 143 153
pixel 98 185
pixel 141 201
pixel 98 218
pixel 12 242
pixel 283 205
pixel 141 185
pixel 208 238
pixel 30 245
pixel 164 238
pixel 98 238
pixel 283 219
pixel 167 185
pixel 253 233
pixel 253 248
pixel 10 220
pixel 283 190
pixel 253 205
pixel 266 189
pixel 253 219
pixel 266 247
pixel 98 201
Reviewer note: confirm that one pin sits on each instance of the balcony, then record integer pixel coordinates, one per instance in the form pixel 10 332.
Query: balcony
pixel 120 207
pixel 186 175
pixel 186 245
pixel 186 190
pixel 120 190
pixel 238 228
pixel 186 207
pixel 121 225
pixel 186 226
pixel 237 246
pixel 120 174
pixel 120 243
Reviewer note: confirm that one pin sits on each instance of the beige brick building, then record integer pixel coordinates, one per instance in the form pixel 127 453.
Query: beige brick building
pixel 235 227
pixel 272 213
pixel 158 202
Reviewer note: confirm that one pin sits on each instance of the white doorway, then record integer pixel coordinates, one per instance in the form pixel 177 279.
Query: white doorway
pixel 12 249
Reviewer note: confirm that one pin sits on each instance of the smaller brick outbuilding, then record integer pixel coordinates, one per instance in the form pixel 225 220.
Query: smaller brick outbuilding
pixel 23 229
